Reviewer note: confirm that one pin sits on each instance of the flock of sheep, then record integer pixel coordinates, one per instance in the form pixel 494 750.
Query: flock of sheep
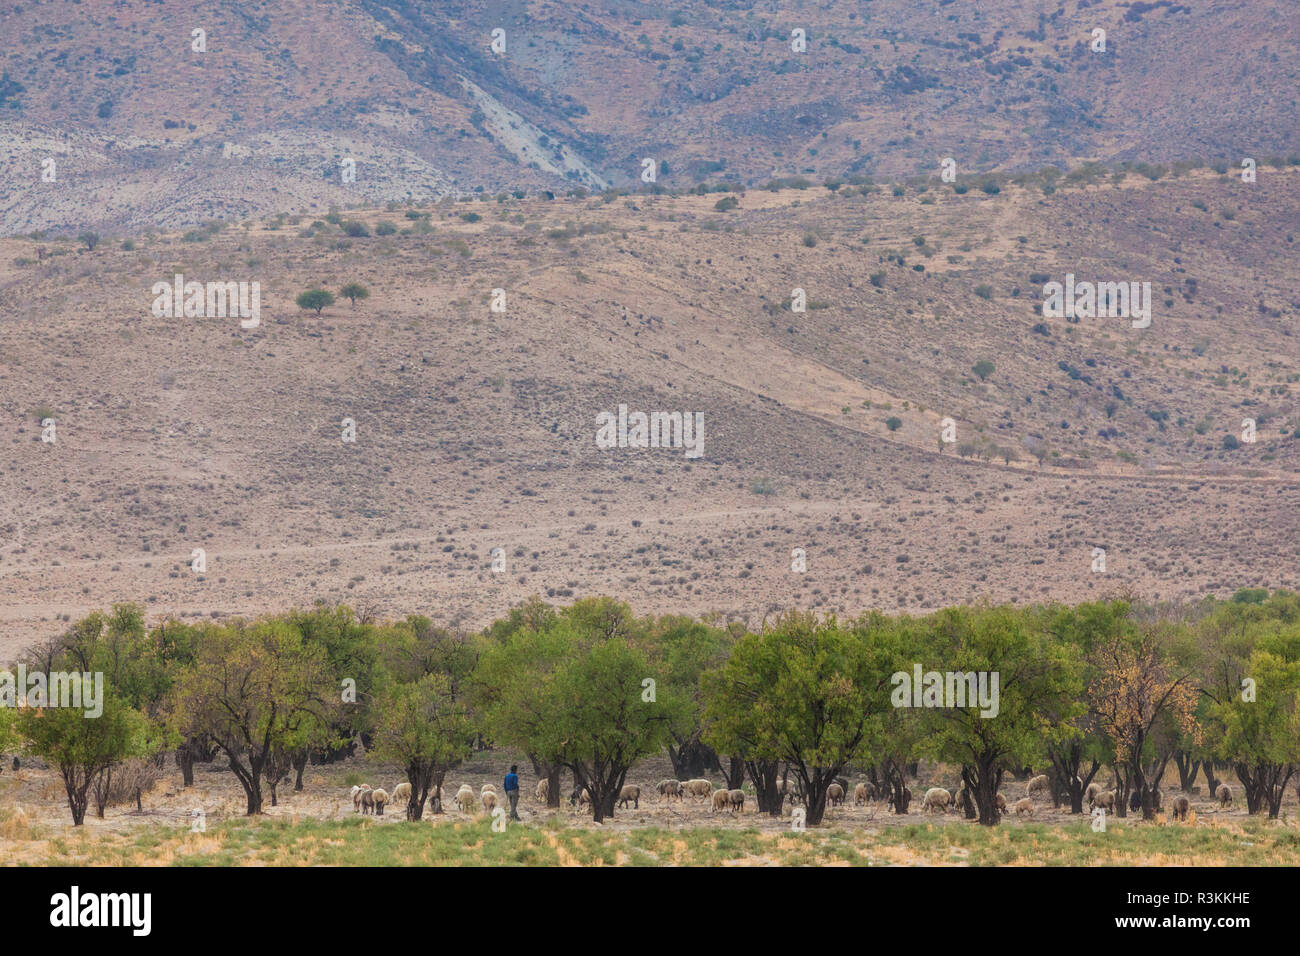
pixel 366 799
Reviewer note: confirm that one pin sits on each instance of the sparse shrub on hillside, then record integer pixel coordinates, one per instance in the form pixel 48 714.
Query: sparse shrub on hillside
pixel 984 291
pixel 726 203
pixel 384 228
pixel 353 291
pixel 878 279
pixel 91 239
pixel 893 423
pixel 983 368
pixel 355 229
pixel 316 299
pixel 810 239
pixel 763 486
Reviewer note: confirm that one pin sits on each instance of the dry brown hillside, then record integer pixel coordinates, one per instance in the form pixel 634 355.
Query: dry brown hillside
pixel 146 131
pixel 476 429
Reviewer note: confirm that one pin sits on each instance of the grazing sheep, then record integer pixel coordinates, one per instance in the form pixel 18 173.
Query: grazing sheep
pixel 1224 795
pixel 356 796
pixel 862 793
pixel 737 800
pixel 465 798
pixel 488 799
pixel 669 788
pixel 698 787
pixel 1041 782
pixel 367 801
pixel 1023 806
pixel 1091 792
pixel 1181 807
pixel 580 796
pixel 1104 799
pixel 401 793
pixel 721 800
pixel 834 795
pixel 543 790
pixel 936 798
pixel 630 792
pixel 381 800
pixel 1001 802
pixel 488 786
pixel 790 788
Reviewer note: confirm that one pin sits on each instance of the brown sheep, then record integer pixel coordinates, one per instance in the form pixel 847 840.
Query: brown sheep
pixel 380 800
pixel 736 798
pixel 543 790
pixel 834 795
pixel 367 801
pixel 1041 782
pixel 669 788
pixel 1024 806
pixel 357 796
pixel 862 793
pixel 721 800
pixel 1181 807
pixel 1001 802
pixel 1105 800
pixel 630 792
pixel 1224 795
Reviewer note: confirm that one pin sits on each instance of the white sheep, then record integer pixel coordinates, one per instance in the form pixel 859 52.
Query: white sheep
pixel 465 798
pixel 543 790
pixel 488 786
pixel 721 800
pixel 936 798
pixel 1090 794
pixel 698 787
pixel 381 800
pixel 489 799
pixel 401 793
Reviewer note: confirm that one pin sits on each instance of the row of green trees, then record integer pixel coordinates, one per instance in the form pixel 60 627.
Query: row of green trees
pixel 1113 688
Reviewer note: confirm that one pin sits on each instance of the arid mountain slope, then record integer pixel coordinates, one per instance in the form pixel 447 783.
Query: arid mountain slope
pixel 146 132
pixel 476 429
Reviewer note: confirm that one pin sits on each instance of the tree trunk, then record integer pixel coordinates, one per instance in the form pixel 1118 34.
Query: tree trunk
pixel 185 759
pixel 735 775
pixel 763 775
pixel 299 765
pixel 553 786
pixel 1211 780
pixel 1187 768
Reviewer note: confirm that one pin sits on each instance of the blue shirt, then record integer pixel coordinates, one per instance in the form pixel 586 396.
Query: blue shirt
pixel 512 782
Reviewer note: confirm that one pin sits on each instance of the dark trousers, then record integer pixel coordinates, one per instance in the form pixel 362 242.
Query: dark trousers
pixel 513 796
